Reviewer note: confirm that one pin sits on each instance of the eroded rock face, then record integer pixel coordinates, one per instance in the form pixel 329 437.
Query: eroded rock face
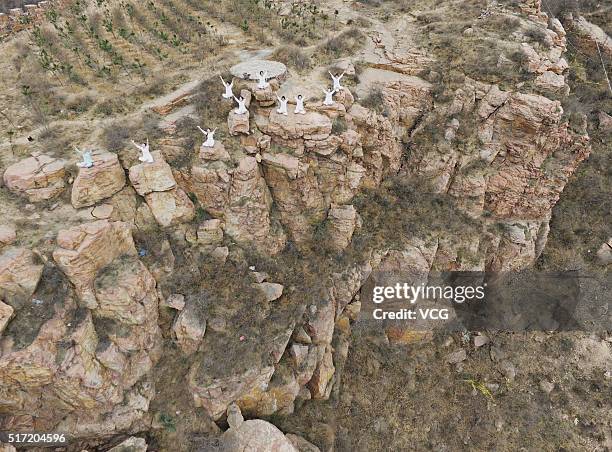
pixel 86 369
pixel 381 149
pixel 587 35
pixel 342 221
pixel 38 178
pixel 85 249
pixel 19 274
pixel 238 124
pixel 170 207
pixel 247 217
pixel 168 203
pixel 99 182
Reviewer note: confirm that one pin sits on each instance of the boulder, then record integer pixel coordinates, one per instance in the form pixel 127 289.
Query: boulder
pixel 256 435
pixel 170 207
pixel 216 394
pixel 102 211
pixel 38 178
pixel 175 301
pixel 19 274
pixel 311 126
pixel 605 122
pixel 341 225
pixel 152 177
pixel 189 329
pixel 551 82
pixel 85 249
pixel 132 444
pixel 209 184
pixel 604 254
pixel 301 444
pixel 265 97
pixel 99 182
pixel 234 416
pixel 210 232
pixel 271 291
pixel 238 124
pixel 217 152
pixel 320 322
pixel 220 255
pixel 6 312
pixel 278 396
pixel 7 234
pixel 84 376
pixel 345 98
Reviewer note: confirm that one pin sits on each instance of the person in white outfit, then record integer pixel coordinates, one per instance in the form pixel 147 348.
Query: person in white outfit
pixel 329 97
pixel 87 159
pixel 146 156
pixel 336 78
pixel 241 110
pixel 282 108
pixel 263 83
pixel 210 137
pixel 228 89
pixel 299 105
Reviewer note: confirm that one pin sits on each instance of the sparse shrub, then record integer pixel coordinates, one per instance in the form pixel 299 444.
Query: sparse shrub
pixel 538 35
pixel 116 136
pixel 344 44
pixel 502 23
pixel 374 100
pixel 154 86
pixel 80 104
pixel 293 57
pixel 375 3
pixel 109 107
pixel 339 126
pixel 208 101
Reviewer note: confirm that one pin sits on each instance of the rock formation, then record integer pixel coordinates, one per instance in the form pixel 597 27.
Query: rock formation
pixel 169 204
pixel 99 182
pixel 38 178
pixel 85 249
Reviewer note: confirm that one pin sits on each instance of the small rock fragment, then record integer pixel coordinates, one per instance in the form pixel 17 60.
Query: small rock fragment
pixel 480 340
pixel 132 444
pixel 234 416
pixel 175 301
pixel 271 291
pixel 456 356
pixel 547 386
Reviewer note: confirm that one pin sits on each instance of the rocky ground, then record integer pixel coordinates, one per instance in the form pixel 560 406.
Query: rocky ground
pixel 211 300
